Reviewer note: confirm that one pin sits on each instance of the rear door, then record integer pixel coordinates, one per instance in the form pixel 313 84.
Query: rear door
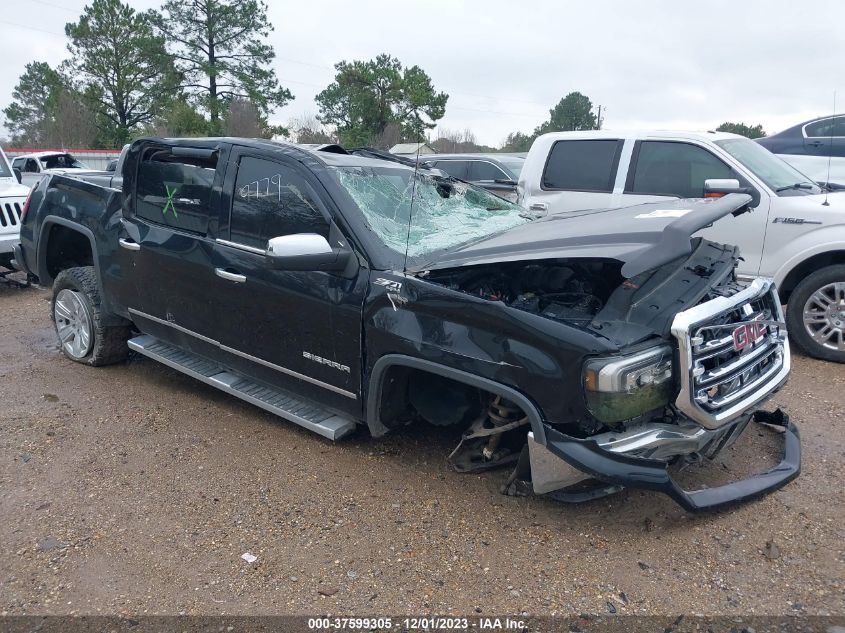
pixel 298 329
pixel 578 174
pixel 825 137
pixel 30 172
pixel 170 234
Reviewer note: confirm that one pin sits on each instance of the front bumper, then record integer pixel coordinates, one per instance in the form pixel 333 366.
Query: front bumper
pixel 8 242
pixel 18 260
pixel 616 469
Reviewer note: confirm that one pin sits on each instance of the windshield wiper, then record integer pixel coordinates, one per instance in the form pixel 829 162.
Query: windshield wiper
pixel 797 185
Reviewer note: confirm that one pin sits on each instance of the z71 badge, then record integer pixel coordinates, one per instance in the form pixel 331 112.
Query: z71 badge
pixel 392 286
pixel 394 291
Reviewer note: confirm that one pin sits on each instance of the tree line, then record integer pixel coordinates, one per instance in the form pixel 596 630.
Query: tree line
pixel 204 68
pixel 188 69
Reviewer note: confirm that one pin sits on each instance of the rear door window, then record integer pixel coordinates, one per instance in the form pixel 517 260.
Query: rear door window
pixel 826 127
pixel 582 165
pixel 175 191
pixel 482 170
pixel 456 168
pixel 270 200
pixel 667 168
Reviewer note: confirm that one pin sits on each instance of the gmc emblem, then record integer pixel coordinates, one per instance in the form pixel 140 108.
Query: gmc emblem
pixel 747 334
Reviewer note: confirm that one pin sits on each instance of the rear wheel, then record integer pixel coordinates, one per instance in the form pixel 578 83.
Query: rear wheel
pixel 816 314
pixel 78 317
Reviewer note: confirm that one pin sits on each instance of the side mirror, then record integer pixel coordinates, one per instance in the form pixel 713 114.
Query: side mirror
pixel 18 176
pixel 718 187
pixel 505 181
pixel 305 251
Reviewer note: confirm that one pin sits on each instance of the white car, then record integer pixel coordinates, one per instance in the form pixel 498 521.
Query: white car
pixel 35 166
pixel 795 233
pixel 12 198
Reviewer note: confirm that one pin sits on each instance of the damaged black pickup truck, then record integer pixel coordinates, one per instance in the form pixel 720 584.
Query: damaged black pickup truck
pixel 591 350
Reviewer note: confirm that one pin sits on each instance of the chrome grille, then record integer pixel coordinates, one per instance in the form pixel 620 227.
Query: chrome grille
pixel 733 353
pixel 10 214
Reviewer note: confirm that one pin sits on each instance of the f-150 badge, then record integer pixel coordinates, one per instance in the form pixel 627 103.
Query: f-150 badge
pixel 795 221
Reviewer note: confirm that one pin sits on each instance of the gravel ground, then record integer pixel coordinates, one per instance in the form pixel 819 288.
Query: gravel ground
pixel 133 489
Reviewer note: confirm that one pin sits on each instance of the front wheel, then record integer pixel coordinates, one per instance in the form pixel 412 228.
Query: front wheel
pixel 816 314
pixel 78 317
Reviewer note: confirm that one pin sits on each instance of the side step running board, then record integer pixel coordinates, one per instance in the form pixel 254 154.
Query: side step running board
pixel 274 400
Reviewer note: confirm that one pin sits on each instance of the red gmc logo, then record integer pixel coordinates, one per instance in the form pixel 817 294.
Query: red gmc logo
pixel 747 334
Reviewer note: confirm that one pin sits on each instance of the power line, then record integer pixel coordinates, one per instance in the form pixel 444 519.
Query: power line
pixel 461 93
pixel 312 85
pixel 31 28
pixel 58 6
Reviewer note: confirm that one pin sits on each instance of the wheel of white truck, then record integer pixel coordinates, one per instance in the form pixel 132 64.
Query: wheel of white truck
pixel 78 317
pixel 816 314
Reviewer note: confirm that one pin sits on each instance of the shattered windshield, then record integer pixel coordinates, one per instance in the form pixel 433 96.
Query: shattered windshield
pixel 445 212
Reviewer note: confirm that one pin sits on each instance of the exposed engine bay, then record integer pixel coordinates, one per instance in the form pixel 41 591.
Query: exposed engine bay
pixel 562 290
pixel 569 291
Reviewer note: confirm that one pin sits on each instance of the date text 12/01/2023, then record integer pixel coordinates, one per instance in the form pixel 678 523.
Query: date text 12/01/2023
pixel 430 623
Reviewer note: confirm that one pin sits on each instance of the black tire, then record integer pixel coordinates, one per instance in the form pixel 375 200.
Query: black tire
pixel 795 315
pixel 108 342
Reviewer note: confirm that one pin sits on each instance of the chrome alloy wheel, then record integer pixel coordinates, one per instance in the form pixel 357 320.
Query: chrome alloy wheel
pixel 824 316
pixel 73 324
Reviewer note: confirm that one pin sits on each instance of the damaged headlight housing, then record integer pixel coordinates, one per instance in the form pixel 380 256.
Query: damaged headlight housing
pixel 623 387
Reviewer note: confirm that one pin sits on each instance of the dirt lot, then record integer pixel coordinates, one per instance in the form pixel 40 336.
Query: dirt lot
pixel 133 489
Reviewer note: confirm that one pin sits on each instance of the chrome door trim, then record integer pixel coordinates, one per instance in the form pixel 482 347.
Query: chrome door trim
pixel 175 326
pixel 255 359
pixel 289 372
pixel 240 247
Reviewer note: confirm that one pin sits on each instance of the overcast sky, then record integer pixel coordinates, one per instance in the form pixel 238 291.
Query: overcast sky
pixel 656 64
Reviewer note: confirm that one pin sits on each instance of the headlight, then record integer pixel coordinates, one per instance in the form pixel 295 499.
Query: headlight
pixel 621 388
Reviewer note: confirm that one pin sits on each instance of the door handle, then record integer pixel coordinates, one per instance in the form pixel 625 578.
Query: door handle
pixel 815 144
pixel 129 245
pixel 225 274
pixel 539 206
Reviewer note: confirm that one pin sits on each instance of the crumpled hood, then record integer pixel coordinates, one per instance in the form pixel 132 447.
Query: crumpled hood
pixel 642 237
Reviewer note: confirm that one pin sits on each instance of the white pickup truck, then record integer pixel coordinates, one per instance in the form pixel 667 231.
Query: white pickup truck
pixel 33 167
pixel 12 198
pixel 795 233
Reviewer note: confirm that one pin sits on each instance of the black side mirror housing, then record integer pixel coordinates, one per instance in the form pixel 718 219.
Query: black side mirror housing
pixel 18 176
